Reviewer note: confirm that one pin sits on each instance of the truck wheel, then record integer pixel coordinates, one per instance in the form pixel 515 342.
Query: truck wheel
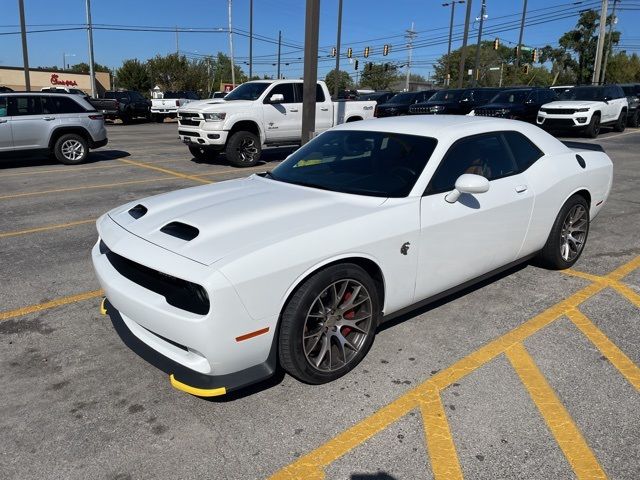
pixel 126 119
pixel 71 149
pixel 203 153
pixel 594 126
pixel 621 123
pixel 243 149
pixel 634 120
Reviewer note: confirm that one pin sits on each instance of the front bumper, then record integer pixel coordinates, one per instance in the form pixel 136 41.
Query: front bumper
pixel 202 136
pixel 577 121
pixel 99 143
pixel 184 378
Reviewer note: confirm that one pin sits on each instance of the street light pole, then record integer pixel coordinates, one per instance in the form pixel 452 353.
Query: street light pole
pixel 336 88
pixel 311 33
pixel 25 53
pixel 250 39
pixel 411 34
pixel 476 70
pixel 233 68
pixel 279 46
pixel 524 16
pixel 92 73
pixel 609 43
pixel 447 79
pixel 598 62
pixel 463 52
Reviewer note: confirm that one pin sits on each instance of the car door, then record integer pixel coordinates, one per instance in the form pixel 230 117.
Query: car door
pixel 283 121
pixel 6 138
pixel 324 108
pixel 478 233
pixel 30 124
pixel 611 107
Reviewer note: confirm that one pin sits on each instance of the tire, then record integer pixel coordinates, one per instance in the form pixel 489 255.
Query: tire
pixel 126 119
pixel 594 126
pixel 203 153
pixel 557 253
pixel 634 120
pixel 621 123
pixel 158 118
pixel 313 362
pixel 243 149
pixel 71 149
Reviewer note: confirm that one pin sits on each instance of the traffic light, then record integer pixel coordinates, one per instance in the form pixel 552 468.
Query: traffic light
pixel 366 52
pixel 525 69
pixel 355 65
pixel 385 49
pixel 496 43
pixel 333 51
pixel 349 52
pixel 535 55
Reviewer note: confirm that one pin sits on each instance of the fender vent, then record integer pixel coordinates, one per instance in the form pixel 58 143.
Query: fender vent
pixel 180 230
pixel 138 211
pixel 581 161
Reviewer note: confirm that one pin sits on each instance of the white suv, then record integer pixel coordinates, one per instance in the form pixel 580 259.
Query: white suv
pixel 586 108
pixel 64 125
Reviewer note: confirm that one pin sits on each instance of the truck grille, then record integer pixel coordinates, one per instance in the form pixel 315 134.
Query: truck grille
pixel 189 119
pixel 415 110
pixel 559 111
pixel 487 112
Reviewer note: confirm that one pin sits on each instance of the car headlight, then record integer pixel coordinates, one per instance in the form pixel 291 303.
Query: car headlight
pixel 437 108
pixel 582 109
pixel 214 117
pixel 543 110
pixel 503 111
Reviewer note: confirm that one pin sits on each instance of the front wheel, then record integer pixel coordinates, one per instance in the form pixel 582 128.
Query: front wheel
pixel 594 126
pixel 329 324
pixel 568 235
pixel 71 149
pixel 622 122
pixel 202 153
pixel 243 149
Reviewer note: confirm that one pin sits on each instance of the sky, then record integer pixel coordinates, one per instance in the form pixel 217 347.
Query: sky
pixel 371 23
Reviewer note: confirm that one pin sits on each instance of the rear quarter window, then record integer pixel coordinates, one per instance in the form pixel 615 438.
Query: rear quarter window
pixel 524 151
pixel 63 104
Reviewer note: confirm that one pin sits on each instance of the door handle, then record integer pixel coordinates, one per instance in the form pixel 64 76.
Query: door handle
pixel 324 109
pixel 521 188
pixel 48 119
pixel 293 110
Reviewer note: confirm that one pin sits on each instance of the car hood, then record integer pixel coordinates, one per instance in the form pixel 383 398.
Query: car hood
pixel 217 105
pixel 572 104
pixel 397 106
pixel 499 106
pixel 237 214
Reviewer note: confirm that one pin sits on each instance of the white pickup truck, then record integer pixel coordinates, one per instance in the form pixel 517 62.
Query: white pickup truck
pixel 258 114
pixel 168 105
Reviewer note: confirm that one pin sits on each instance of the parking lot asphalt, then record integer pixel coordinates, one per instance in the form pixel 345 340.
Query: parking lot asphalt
pixel 531 374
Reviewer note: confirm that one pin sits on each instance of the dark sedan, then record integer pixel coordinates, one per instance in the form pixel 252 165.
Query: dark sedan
pixel 454 102
pixel 519 104
pixel 399 104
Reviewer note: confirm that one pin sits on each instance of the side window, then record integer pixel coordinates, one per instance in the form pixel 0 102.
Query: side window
pixel 27 105
pixel 63 104
pixel 609 93
pixel 3 106
pixel 299 92
pixel 547 96
pixel 285 89
pixel 48 105
pixel 619 92
pixel 484 155
pixel 523 150
pixel 533 97
pixel 319 93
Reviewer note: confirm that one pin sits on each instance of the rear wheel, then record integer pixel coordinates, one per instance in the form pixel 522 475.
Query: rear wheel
pixel 243 149
pixel 594 126
pixel 203 153
pixel 329 324
pixel 568 235
pixel 622 122
pixel 158 118
pixel 634 120
pixel 71 149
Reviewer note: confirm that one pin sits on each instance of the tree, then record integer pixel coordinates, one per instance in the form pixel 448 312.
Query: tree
pixel 175 72
pixel 342 78
pixel 623 68
pixel 221 69
pixel 83 67
pixel 378 76
pixel 417 78
pixel 134 75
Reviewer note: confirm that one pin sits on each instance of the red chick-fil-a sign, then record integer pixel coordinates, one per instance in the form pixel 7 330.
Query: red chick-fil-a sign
pixel 55 80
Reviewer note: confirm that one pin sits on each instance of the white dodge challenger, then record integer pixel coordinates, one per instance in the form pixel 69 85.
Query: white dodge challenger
pixel 218 284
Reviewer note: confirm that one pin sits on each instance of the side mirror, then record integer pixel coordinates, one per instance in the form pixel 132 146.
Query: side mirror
pixel 467 183
pixel 276 98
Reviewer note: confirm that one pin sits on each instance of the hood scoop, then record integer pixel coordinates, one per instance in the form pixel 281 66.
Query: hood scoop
pixel 138 211
pixel 180 230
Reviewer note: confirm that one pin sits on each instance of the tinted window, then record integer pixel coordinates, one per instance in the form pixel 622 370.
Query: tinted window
pixel 447 95
pixel 583 93
pixel 402 98
pixel 247 91
pixel 360 162
pixel 484 155
pixel 511 96
pixel 547 96
pixel 299 88
pixel 524 152
pixel 19 106
pixel 64 104
pixel 483 95
pixel 285 89
pixel 3 106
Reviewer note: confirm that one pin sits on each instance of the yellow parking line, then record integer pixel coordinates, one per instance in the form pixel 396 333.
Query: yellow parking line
pixel 609 349
pixel 19 312
pixel 632 296
pixel 84 187
pixel 573 445
pixel 45 228
pixel 166 170
pixel 442 450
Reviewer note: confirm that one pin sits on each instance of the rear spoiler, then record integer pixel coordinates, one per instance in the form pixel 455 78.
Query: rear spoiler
pixel 594 147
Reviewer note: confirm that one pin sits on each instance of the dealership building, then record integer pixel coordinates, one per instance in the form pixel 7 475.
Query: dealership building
pixel 13 77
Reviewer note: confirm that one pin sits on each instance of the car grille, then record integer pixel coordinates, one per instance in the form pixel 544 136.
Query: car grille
pixel 177 292
pixel 558 122
pixel 559 111
pixel 487 112
pixel 188 134
pixel 419 110
pixel 189 119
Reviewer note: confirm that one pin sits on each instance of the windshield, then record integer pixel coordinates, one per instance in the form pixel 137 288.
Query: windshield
pixel 446 96
pixel 631 90
pixel 368 163
pixel 116 95
pixel 511 96
pixel 583 93
pixel 402 98
pixel 247 91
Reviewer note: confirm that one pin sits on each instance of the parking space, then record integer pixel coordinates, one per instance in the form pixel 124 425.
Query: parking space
pixel 531 374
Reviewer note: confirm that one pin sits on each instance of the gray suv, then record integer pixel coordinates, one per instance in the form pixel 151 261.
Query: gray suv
pixel 63 125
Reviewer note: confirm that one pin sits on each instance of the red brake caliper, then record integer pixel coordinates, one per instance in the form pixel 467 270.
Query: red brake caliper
pixel 349 315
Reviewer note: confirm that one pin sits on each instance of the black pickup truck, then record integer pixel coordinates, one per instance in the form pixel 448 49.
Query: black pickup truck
pixel 125 105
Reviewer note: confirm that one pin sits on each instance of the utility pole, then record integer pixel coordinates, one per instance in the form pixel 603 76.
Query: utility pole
pixel 279 45
pixel 447 79
pixel 463 52
pixel 524 16
pixel 336 88
pixel 233 67
pixel 598 62
pixel 410 35
pixel 92 72
pixel 476 70
pixel 250 39
pixel 610 43
pixel 177 42
pixel 311 32
pixel 25 52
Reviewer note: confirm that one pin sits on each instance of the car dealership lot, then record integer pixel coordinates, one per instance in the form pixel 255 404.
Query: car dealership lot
pixel 76 403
